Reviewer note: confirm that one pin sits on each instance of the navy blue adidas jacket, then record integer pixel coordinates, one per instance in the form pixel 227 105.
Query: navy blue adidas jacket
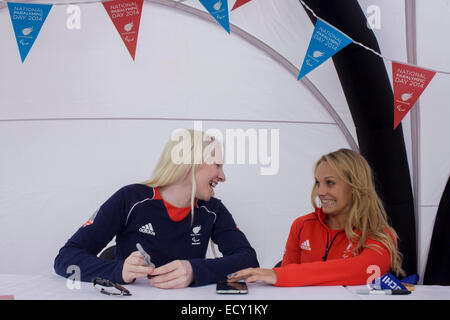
pixel 135 214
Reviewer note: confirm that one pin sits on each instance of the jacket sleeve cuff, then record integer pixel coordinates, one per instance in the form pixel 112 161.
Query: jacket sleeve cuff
pixel 279 273
pixel 283 277
pixel 117 274
pixel 199 276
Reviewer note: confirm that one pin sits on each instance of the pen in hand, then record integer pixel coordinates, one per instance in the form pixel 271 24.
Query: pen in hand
pixel 146 257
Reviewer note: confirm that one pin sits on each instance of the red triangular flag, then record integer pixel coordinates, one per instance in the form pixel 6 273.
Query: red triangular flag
pixel 239 3
pixel 126 16
pixel 409 83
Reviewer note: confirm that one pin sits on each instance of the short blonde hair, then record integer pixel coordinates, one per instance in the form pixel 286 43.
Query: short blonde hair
pixel 367 213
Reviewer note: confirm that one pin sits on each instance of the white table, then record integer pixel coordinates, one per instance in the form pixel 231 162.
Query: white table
pixel 30 287
pixel 53 287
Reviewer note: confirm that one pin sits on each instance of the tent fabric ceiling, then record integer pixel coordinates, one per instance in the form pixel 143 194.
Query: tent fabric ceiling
pixel 79 84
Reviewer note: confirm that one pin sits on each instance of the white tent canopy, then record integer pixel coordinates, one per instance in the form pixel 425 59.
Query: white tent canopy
pixel 79 118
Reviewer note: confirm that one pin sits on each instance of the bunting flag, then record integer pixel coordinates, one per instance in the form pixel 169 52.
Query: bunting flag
pixel 219 10
pixel 409 83
pixel 126 17
pixel 27 20
pixel 239 3
pixel 325 42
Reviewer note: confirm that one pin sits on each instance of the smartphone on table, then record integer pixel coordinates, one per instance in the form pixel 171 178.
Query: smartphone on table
pixel 224 287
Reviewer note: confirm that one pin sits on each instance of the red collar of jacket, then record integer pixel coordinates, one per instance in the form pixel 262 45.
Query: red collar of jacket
pixel 321 216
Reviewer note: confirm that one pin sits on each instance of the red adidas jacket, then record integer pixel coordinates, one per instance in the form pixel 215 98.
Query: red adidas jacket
pixel 317 255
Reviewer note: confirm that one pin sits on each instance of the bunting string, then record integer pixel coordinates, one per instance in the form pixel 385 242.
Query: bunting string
pixel 365 47
pixel 409 80
pixel 3 2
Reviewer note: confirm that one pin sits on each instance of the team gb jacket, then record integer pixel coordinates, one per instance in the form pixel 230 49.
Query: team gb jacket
pixel 318 255
pixel 137 213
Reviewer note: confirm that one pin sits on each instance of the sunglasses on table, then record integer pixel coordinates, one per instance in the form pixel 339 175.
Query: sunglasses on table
pixel 100 283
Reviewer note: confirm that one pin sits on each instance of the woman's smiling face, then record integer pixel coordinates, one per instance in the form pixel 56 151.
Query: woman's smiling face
pixel 334 194
pixel 209 174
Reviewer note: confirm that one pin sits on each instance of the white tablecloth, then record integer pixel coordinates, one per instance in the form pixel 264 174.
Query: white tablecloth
pixel 53 287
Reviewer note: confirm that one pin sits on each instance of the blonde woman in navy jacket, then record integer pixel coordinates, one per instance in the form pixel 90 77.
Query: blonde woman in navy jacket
pixel 173 216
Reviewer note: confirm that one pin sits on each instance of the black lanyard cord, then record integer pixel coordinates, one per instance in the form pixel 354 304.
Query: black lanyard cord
pixel 324 258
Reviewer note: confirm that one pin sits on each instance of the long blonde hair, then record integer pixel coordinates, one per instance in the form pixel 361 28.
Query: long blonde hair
pixel 179 159
pixel 367 214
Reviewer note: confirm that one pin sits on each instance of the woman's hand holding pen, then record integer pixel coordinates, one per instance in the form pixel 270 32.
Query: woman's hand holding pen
pixel 135 267
pixel 174 275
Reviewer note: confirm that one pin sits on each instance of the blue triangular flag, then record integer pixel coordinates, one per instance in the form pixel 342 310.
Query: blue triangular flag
pixel 27 20
pixel 219 10
pixel 325 42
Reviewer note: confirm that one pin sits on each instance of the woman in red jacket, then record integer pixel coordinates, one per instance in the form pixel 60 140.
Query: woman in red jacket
pixel 346 238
